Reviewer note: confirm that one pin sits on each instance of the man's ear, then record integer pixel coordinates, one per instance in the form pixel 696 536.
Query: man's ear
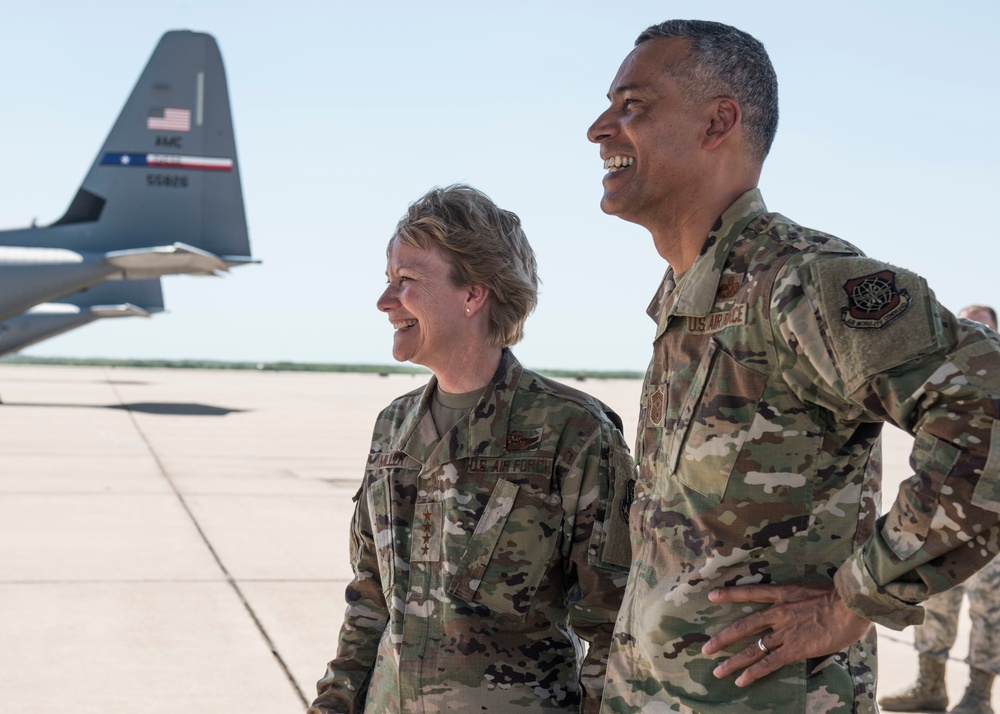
pixel 725 117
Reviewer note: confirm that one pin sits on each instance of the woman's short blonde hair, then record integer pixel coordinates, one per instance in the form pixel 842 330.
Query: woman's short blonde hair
pixel 485 246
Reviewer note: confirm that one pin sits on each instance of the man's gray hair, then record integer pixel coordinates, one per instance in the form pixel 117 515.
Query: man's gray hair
pixel 727 62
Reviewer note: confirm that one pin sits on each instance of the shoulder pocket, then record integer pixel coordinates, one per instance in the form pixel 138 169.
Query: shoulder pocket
pixel 508 553
pixel 909 520
pixel 380 511
pixel 987 492
pixel 610 543
pixel 356 537
pixel 714 422
pixel 876 316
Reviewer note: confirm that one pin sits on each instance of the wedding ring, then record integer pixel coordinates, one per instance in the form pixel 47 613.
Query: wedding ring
pixel 762 647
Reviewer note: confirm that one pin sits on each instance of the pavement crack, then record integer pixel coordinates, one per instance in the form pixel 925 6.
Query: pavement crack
pixel 211 549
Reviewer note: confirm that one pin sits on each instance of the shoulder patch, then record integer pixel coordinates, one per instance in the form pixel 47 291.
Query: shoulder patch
pixel 875 316
pixel 873 301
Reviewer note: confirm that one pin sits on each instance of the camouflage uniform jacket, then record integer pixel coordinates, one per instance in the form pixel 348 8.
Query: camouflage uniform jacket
pixel 778 355
pixel 483 558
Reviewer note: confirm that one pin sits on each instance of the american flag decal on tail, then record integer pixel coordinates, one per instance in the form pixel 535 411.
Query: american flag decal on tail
pixel 169 119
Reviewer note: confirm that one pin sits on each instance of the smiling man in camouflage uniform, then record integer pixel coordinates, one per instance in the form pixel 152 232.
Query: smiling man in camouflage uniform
pixel 760 559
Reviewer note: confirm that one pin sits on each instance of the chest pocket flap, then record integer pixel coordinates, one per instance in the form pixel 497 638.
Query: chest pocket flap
pixel 508 553
pixel 714 422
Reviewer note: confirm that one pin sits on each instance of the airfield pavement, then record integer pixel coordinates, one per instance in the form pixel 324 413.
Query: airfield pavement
pixel 176 541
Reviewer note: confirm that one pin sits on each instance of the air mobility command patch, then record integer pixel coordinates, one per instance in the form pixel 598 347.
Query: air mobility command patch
pixel 873 301
pixel 887 320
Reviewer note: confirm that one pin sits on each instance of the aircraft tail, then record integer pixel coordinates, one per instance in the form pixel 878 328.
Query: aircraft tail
pixel 168 171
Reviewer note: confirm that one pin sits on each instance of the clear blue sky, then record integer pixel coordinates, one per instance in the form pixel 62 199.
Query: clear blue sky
pixel 345 112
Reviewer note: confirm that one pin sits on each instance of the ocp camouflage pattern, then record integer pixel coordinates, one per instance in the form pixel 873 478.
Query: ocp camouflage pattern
pixel 777 357
pixel 936 636
pixel 490 563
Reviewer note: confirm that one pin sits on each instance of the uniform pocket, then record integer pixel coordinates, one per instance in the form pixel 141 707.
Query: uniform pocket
pixel 909 520
pixel 610 544
pixel 356 535
pixel 714 422
pixel 987 492
pixel 508 553
pixel 380 511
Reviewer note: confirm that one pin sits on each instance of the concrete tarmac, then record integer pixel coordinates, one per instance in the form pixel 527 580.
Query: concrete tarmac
pixel 176 540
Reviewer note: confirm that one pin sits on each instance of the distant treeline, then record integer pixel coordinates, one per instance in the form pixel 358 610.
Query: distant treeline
pixel 284 366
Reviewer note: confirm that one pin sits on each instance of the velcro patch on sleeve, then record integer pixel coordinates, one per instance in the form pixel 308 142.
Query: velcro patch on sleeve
pixel 876 316
pixel 617 546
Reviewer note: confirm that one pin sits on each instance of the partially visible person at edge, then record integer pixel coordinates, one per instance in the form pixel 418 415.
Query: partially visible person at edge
pixel 935 637
pixel 489 543
pixel 760 557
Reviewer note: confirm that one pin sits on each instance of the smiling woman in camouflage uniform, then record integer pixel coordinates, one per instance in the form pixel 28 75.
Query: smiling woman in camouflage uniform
pixel 489 542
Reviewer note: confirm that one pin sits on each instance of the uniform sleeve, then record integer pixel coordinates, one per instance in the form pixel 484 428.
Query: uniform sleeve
pixel 596 550
pixel 345 685
pixel 869 342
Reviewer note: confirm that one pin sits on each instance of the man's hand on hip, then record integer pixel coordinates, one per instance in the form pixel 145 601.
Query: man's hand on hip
pixel 803 621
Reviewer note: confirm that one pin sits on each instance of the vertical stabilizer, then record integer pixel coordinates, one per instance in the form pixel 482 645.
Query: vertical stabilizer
pixel 168 170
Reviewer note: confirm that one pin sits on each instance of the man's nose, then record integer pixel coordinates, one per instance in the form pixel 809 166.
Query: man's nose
pixel 602 128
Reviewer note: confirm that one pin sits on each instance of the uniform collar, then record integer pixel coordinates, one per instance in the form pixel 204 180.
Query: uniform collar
pixel 693 293
pixel 482 433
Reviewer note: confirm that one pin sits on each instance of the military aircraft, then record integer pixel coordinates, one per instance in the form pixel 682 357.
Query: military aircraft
pixel 162 197
pixel 115 298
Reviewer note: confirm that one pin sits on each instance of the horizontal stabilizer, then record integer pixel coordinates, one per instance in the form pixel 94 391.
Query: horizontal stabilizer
pixel 118 298
pixel 235 261
pixel 61 309
pixel 147 294
pixel 165 260
pixel 124 310
pixel 51 319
